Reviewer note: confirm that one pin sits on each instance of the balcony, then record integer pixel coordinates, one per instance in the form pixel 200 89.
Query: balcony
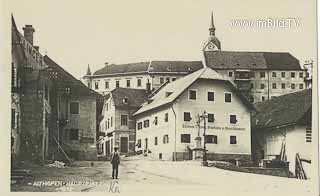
pixel 243 75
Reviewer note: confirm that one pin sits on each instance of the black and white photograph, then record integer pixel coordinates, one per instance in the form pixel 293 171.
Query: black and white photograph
pixel 159 97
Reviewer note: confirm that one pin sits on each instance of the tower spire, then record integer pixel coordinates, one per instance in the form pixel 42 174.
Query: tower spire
pixel 88 70
pixel 212 28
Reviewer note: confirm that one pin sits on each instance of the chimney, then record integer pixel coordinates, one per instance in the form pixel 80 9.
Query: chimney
pixel 28 31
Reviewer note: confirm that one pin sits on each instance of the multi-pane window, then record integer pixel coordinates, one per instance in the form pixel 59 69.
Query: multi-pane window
pixel 186 116
pixel 300 74
pixel 74 107
pixel 192 94
pixel 274 74
pixel 128 83
pixel 139 82
pixel 73 134
pixel 117 84
pixel 185 138
pixel 274 85
pixel 263 98
pixel 210 117
pixel 165 139
pixel 233 119
pixel 146 123
pixel 111 121
pixel 308 135
pixel 300 86
pixel 227 97
pixel 166 117
pixel 230 73
pixel 211 139
pixel 262 86
pixel 293 74
pixel 233 139
pixel 155 141
pixel 108 123
pixel 283 85
pixel 124 119
pixel 168 79
pixel 283 74
pixel 262 74
pixel 139 125
pixel 106 84
pixel 293 86
pixel 161 80
pixel 96 85
pixel 210 96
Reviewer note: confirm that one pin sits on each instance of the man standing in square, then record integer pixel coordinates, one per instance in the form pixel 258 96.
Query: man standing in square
pixel 115 161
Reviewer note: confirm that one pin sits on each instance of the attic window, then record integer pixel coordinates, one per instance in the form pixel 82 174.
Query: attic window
pixel 125 100
pixel 189 69
pixel 168 94
pixel 168 68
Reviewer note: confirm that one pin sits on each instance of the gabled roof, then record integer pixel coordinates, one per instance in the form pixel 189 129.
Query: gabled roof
pixel 152 66
pixel 135 97
pixel 251 60
pixel 283 110
pixel 65 79
pixel 177 87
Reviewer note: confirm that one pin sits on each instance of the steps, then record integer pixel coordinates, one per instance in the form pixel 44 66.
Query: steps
pixel 18 175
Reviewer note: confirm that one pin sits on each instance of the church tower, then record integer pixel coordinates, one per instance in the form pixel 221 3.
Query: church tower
pixel 86 79
pixel 213 43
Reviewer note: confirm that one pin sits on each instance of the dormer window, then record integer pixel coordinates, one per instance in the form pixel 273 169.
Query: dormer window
pixel 125 100
pixel 168 94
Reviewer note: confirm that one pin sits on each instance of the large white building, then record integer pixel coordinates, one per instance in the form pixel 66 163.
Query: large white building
pixel 137 75
pixel 259 76
pixel 167 125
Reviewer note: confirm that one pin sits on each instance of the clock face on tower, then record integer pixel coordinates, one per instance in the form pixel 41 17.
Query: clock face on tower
pixel 211 47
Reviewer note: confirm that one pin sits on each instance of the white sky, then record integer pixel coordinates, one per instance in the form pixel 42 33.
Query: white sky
pixel 77 33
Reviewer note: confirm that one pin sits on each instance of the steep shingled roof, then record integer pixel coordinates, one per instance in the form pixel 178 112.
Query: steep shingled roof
pixel 283 110
pixel 65 79
pixel 135 97
pixel 177 87
pixel 251 60
pixel 152 66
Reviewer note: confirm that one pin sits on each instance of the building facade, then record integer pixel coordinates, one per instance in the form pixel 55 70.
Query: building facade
pixel 47 104
pixel 168 126
pixel 30 106
pixel 118 125
pixel 259 76
pixel 137 75
pixel 282 131
pixel 74 115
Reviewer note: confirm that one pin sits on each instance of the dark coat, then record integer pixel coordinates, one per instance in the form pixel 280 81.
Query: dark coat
pixel 115 159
